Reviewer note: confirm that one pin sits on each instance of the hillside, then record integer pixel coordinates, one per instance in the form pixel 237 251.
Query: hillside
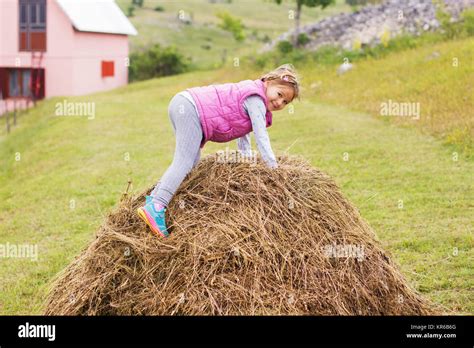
pixel 438 79
pixel 61 175
pixel 202 40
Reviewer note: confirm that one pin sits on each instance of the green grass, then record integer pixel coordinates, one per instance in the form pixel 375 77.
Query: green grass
pixel 436 74
pixel 73 158
pixel 264 17
pixel 443 89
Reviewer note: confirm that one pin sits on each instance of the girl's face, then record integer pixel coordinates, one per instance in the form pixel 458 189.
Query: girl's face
pixel 278 95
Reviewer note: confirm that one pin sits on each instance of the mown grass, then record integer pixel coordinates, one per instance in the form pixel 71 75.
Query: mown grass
pixel 406 184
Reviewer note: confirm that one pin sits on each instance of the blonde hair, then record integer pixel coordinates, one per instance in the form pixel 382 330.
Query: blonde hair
pixel 284 75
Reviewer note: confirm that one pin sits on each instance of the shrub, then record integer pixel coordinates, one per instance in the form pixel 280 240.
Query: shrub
pixel 284 46
pixel 159 9
pixel 266 38
pixel 157 61
pixel 232 24
pixel 451 29
pixel 302 39
pixel 139 3
pixel 130 11
pixel 468 21
pixel 261 61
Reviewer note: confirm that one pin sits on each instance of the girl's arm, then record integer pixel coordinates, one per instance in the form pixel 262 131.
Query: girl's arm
pixel 255 107
pixel 243 143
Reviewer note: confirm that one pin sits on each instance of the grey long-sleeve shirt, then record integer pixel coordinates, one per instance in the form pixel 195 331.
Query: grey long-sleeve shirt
pixel 256 109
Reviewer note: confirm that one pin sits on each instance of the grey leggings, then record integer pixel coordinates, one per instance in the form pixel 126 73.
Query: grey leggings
pixel 188 131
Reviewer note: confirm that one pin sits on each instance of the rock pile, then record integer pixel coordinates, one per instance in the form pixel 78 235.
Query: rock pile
pixel 375 23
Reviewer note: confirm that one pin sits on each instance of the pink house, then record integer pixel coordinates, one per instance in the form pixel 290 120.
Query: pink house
pixel 61 48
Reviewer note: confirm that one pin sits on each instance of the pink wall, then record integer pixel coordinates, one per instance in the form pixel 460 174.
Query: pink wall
pixel 72 60
pixel 8 41
pixel 59 55
pixel 90 49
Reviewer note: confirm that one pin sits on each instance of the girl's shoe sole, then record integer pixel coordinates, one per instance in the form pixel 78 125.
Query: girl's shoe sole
pixel 145 217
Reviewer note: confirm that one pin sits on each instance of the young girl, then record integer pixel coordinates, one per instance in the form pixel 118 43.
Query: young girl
pixel 219 113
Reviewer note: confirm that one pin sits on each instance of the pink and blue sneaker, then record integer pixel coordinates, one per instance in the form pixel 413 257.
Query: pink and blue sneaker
pixel 153 218
pixel 148 199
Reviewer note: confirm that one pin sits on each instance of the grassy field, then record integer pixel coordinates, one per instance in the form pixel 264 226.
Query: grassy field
pixel 439 78
pixel 203 41
pixel 59 176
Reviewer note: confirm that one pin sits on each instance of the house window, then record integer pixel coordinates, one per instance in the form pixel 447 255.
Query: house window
pixel 19 83
pixel 26 83
pixel 107 68
pixel 14 87
pixel 32 22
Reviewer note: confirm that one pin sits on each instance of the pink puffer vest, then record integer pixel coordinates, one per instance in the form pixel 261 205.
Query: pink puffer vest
pixel 221 109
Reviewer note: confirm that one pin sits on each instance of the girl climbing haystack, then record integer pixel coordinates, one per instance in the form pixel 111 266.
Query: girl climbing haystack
pixel 219 113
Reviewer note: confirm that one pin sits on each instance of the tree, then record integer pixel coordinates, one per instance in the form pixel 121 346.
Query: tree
pixel 299 5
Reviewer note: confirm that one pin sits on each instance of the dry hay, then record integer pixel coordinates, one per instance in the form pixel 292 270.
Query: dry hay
pixel 245 239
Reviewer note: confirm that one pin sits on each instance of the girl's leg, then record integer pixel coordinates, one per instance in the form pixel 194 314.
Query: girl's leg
pixel 155 190
pixel 198 157
pixel 157 186
pixel 187 152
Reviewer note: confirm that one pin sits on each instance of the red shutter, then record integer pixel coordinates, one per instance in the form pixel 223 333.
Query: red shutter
pixel 38 41
pixel 4 82
pixel 23 46
pixel 107 68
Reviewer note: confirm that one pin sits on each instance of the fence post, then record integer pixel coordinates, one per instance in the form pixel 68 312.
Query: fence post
pixel 7 118
pixel 14 114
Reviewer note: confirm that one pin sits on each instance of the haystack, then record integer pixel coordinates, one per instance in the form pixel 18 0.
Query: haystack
pixel 245 239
